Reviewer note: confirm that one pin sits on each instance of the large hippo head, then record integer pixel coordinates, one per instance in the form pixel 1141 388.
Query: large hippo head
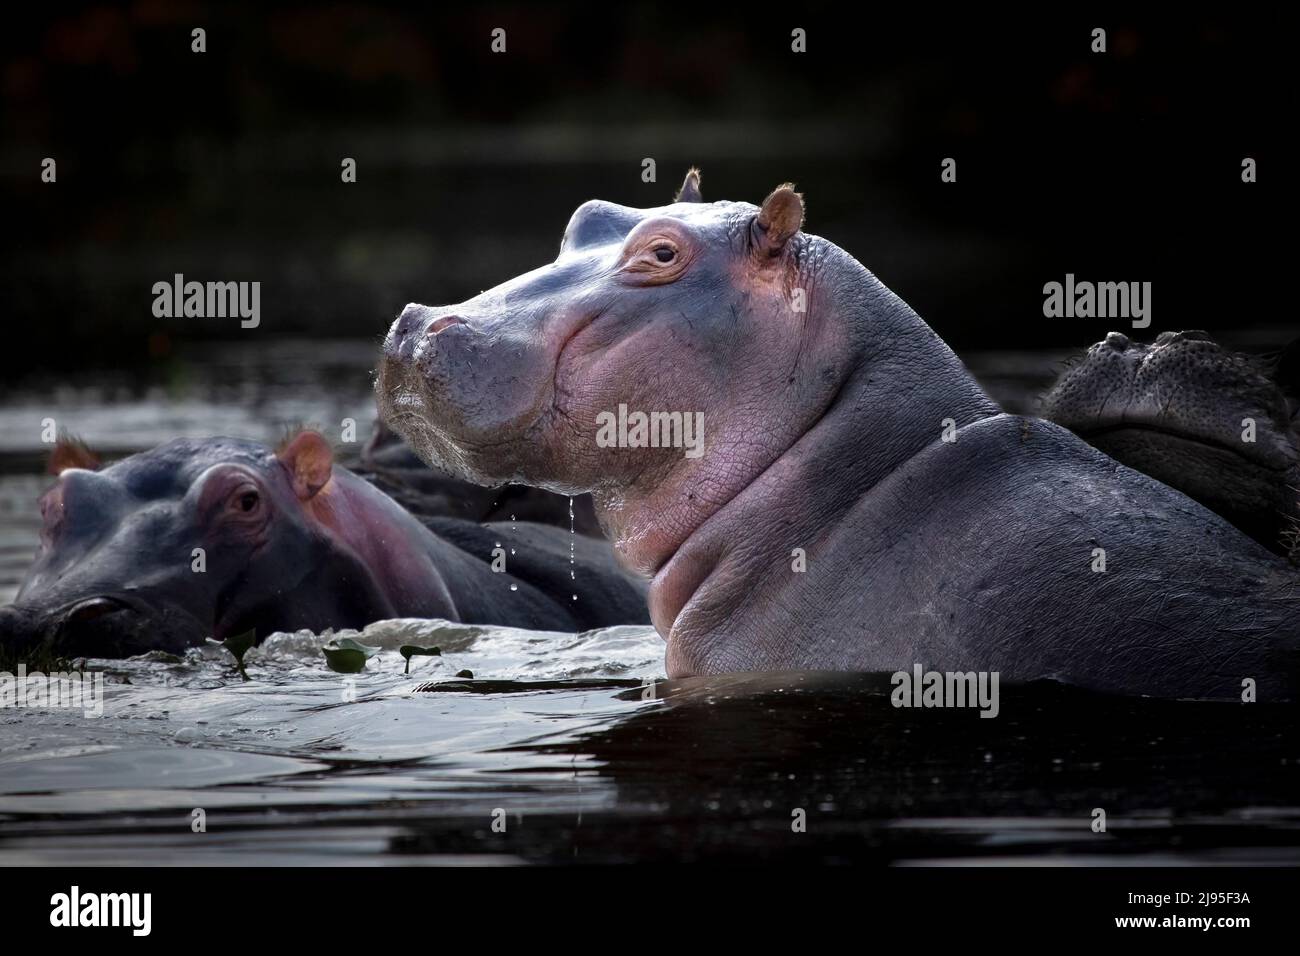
pixel 719 313
pixel 502 386
pixel 188 540
pixel 1221 427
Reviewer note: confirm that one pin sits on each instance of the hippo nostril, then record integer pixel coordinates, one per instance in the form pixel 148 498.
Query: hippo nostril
pixel 442 324
pixel 409 319
pixel 93 608
pixel 20 627
pixel 402 338
pixel 1117 340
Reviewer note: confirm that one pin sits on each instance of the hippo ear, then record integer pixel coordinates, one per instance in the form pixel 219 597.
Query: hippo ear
pixel 690 191
pixel 779 219
pixel 71 452
pixel 309 460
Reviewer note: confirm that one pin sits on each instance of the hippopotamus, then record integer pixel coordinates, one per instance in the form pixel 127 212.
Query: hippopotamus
pixel 220 536
pixel 389 464
pixel 1220 426
pixel 858 502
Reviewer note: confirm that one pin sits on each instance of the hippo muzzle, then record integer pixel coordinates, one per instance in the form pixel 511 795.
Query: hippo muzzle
pixel 465 384
pixel 109 625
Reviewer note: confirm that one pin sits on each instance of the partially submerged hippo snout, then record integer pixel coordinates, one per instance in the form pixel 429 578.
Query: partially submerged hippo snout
pixel 222 537
pixel 189 540
pixel 1221 427
pixel 98 626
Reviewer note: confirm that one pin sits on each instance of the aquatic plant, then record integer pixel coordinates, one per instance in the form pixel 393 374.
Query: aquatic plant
pixel 238 645
pixel 415 650
pixel 343 655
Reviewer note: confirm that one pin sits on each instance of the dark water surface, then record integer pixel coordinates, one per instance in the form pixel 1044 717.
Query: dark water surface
pixel 606 770
pixel 571 747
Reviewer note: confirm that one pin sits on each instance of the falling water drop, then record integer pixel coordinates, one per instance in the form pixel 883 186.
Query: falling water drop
pixel 513 527
pixel 572 576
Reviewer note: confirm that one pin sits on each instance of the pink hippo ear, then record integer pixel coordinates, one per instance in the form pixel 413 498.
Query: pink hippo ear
pixel 779 219
pixel 309 460
pixel 71 452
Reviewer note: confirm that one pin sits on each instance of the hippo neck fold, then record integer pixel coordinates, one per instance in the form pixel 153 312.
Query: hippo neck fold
pixel 902 388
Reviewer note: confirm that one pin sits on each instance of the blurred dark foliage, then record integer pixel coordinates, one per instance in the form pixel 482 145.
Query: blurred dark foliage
pixel 225 165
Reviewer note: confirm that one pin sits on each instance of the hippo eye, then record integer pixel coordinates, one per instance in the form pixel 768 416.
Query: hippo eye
pixel 245 501
pixel 655 258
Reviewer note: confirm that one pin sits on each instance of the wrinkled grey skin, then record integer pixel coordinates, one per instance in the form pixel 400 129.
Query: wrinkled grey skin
pixel 115 574
pixel 1177 409
pixel 823 432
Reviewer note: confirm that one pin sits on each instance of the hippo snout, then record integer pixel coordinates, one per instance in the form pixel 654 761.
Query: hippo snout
pixel 417 322
pixel 405 332
pixel 21 629
pixel 99 626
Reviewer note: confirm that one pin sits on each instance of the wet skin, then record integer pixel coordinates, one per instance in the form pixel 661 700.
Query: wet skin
pixel 289 540
pixel 1177 409
pixel 824 432
pixel 390 465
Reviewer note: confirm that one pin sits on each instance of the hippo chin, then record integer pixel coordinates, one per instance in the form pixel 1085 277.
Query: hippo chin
pixel 1220 427
pixel 221 536
pixel 860 503
pixel 389 464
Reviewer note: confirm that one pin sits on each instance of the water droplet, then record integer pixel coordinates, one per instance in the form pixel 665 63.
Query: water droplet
pixel 572 532
pixel 514 587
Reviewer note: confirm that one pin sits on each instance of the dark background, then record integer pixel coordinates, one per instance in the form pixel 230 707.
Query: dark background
pixel 225 165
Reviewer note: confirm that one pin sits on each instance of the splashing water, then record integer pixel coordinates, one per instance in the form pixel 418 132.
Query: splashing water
pixel 184 732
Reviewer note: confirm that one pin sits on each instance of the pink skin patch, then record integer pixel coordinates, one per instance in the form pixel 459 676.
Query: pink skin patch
pixel 385 539
pixel 443 323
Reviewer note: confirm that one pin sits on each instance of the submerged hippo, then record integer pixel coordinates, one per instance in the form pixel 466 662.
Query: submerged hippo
pixel 1221 427
pixel 221 536
pixel 389 464
pixel 859 502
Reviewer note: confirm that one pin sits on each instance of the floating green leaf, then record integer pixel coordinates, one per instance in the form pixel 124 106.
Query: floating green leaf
pixel 346 656
pixel 415 650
